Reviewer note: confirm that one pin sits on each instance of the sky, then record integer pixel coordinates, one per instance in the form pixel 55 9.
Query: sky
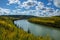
pixel 30 7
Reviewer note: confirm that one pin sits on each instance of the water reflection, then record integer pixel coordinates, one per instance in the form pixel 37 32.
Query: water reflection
pixel 38 30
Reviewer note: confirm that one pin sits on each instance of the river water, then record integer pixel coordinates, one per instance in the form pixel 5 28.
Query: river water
pixel 38 30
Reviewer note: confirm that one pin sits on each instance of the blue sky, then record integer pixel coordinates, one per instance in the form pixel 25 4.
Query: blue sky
pixel 30 7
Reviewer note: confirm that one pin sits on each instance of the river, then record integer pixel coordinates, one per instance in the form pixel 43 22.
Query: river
pixel 38 30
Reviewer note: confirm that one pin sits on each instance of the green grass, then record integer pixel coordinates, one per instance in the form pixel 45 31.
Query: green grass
pixel 9 31
pixel 47 21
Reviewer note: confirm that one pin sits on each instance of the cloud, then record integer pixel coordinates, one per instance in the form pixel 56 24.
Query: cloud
pixel 40 9
pixel 57 3
pixel 27 4
pixel 39 6
pixel 4 11
pixel 13 2
pixel 41 13
pixel 47 12
pixel 49 3
pixel 57 12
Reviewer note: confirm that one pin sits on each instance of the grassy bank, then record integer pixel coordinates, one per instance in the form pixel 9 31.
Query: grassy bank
pixel 8 31
pixel 47 21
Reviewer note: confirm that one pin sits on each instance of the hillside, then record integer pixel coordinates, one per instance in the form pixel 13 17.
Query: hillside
pixel 47 21
pixel 9 31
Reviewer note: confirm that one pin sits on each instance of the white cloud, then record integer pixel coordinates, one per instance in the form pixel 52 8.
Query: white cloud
pixel 13 2
pixel 49 3
pixel 4 11
pixel 47 11
pixel 57 3
pixel 27 4
pixel 39 6
pixel 31 3
pixel 57 12
pixel 41 13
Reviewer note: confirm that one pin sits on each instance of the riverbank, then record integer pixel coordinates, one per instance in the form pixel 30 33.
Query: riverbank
pixel 46 21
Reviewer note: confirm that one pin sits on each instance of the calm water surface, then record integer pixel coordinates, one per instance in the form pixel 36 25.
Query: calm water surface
pixel 38 30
